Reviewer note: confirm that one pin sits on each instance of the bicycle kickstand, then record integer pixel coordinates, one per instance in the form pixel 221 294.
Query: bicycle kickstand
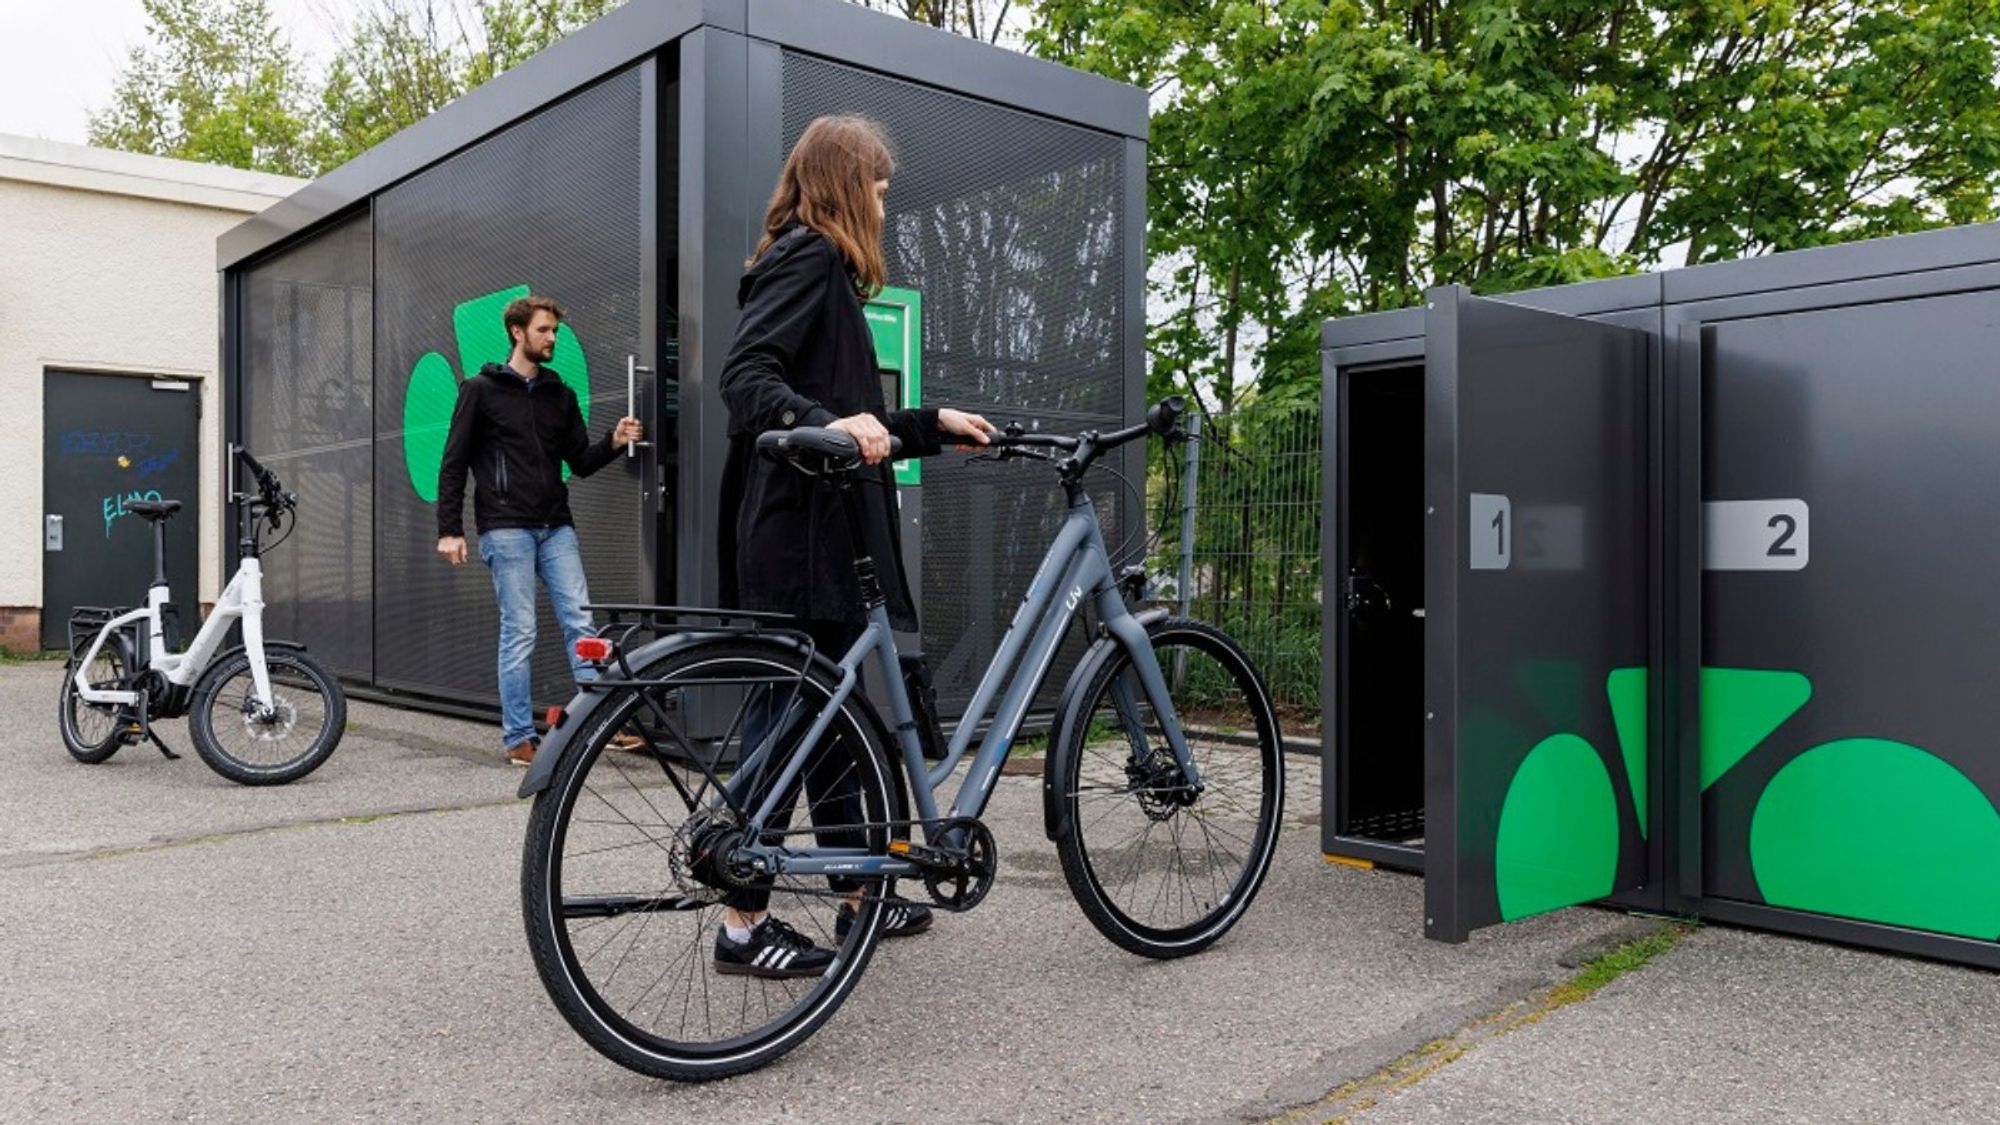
pixel 146 732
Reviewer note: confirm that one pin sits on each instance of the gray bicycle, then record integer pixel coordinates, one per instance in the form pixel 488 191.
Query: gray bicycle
pixel 765 769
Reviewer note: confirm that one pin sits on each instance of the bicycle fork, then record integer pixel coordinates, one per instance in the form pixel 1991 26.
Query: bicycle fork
pixel 1151 686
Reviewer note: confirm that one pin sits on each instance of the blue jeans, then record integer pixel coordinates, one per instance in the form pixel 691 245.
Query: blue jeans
pixel 517 556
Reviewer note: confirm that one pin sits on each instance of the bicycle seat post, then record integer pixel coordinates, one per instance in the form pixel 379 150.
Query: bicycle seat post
pixel 159 552
pixel 864 563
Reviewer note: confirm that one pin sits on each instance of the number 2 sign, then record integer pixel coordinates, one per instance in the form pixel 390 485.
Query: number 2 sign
pixel 1755 535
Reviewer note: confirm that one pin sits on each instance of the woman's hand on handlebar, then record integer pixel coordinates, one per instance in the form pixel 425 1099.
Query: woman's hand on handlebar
pixel 965 425
pixel 870 436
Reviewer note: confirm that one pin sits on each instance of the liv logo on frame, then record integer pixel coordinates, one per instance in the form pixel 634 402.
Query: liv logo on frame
pixel 433 388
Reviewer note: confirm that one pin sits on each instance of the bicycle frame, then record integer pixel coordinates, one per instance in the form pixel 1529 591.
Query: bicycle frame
pixel 242 599
pixel 1075 566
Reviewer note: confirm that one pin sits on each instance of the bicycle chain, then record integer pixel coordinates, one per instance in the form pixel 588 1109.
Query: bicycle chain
pixel 679 862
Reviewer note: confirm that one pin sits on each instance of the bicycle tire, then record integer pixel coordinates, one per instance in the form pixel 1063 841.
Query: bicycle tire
pixel 567 867
pixel 296 679
pixel 90 744
pixel 1115 796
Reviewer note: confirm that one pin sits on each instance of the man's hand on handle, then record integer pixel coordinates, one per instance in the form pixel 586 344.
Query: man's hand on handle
pixel 626 432
pixel 452 547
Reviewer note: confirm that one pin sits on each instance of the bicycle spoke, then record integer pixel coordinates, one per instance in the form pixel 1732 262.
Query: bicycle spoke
pixel 1154 860
pixel 642 927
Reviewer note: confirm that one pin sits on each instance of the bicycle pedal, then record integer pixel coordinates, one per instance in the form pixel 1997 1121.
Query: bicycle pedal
pixel 927 857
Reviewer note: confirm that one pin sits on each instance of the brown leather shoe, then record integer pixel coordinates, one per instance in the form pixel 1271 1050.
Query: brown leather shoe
pixel 522 755
pixel 627 741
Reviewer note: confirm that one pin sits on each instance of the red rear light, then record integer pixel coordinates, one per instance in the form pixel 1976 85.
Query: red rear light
pixel 597 650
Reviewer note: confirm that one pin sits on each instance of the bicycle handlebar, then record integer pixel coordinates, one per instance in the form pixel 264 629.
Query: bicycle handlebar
pixel 835 450
pixel 272 499
pixel 1163 420
pixel 270 490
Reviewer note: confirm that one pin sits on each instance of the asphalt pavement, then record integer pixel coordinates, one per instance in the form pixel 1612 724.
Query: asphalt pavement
pixel 174 947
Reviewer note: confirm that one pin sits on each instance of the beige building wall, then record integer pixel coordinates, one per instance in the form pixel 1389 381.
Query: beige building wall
pixel 107 265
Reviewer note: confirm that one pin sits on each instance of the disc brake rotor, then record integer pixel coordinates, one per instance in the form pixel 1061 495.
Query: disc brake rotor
pixel 272 725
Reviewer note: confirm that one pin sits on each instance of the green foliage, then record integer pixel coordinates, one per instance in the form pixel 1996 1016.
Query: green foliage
pixel 1324 157
pixel 216 83
pixel 404 60
pixel 1254 569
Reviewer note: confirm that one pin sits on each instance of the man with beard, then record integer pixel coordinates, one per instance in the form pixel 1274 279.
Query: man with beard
pixel 516 424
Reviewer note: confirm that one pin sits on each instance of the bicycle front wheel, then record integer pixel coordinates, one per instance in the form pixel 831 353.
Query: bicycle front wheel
pixel 250 745
pixel 622 887
pixel 1161 869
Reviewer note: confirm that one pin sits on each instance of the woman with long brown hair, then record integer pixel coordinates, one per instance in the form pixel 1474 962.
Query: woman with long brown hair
pixel 803 356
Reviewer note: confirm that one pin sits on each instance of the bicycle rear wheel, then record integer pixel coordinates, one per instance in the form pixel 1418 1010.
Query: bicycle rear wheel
pixel 92 732
pixel 1162 870
pixel 622 911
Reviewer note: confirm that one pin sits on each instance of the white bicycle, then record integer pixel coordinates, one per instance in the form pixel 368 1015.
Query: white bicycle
pixel 260 713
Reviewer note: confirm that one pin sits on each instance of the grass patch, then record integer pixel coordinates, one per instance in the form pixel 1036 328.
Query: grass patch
pixel 1029 744
pixel 1361 1094
pixel 1602 971
pixel 42 656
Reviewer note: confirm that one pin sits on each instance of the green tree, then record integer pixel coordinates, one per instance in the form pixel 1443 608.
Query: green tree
pixel 1321 157
pixel 976 19
pixel 215 82
pixel 403 60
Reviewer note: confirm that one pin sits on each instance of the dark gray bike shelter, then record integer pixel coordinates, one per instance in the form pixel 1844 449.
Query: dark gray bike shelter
pixel 1675 591
pixel 624 171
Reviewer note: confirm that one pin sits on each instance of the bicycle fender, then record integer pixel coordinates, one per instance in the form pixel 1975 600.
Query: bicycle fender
pixel 1055 818
pixel 237 650
pixel 577 715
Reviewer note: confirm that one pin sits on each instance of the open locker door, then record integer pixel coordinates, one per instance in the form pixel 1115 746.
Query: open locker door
pixel 1535 630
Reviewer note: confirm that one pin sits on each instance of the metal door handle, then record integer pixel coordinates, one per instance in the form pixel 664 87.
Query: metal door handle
pixel 632 369
pixel 52 532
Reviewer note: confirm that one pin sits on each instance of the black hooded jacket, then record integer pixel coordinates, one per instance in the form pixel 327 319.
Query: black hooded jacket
pixel 803 357
pixel 514 436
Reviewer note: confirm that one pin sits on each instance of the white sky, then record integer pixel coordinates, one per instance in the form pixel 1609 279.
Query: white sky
pixel 65 56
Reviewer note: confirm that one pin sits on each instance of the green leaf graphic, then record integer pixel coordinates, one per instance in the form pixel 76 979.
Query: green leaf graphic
pixel 482 339
pixel 426 419
pixel 1740 707
pixel 1626 688
pixel 1558 841
pixel 1882 831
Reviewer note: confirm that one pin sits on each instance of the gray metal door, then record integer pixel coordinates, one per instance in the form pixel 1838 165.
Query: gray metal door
pixel 1535 676
pixel 555 204
pixel 108 440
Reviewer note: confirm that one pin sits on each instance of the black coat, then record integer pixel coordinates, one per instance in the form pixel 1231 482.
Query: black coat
pixel 515 436
pixel 803 356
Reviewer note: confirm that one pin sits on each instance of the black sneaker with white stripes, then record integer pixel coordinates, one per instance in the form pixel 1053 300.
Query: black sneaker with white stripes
pixel 773 950
pixel 899 919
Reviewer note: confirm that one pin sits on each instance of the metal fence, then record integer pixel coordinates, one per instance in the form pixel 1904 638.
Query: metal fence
pixel 1237 516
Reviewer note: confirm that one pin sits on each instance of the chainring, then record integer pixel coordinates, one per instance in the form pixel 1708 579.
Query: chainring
pixel 965 885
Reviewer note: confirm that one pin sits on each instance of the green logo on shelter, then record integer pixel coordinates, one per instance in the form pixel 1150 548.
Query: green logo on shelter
pixel 433 389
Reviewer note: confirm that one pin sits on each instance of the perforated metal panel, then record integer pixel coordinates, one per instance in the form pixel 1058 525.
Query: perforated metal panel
pixel 551 203
pixel 1012 226
pixel 308 416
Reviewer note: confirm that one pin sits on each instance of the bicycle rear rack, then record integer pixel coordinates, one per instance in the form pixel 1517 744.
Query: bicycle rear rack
pixel 625 621
pixel 86 621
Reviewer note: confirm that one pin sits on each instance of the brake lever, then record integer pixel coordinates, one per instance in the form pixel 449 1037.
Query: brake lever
pixel 1011 453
